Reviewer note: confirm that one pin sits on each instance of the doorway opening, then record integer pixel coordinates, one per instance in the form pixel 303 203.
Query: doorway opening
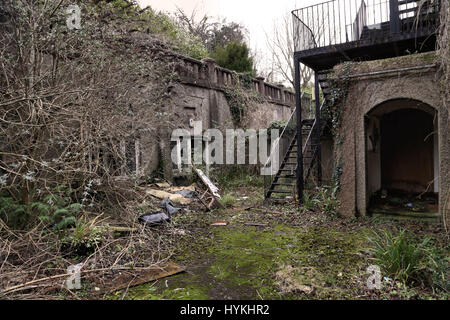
pixel 402 155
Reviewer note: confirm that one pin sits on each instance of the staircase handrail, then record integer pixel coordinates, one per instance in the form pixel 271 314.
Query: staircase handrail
pixel 277 141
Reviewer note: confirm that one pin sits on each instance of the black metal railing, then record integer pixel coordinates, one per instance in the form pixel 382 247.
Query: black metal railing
pixel 278 151
pixel 341 21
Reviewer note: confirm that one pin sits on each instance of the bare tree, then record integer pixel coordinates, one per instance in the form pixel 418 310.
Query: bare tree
pixel 281 47
pixel 281 55
pixel 202 28
pixel 73 101
pixel 212 33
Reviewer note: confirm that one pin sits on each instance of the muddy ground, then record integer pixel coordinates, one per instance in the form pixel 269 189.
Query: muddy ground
pixel 277 252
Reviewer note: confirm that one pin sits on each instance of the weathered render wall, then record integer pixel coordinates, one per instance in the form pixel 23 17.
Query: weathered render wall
pixel 199 95
pixel 365 92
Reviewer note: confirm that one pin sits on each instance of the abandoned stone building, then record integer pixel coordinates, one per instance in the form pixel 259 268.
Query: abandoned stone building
pixel 380 133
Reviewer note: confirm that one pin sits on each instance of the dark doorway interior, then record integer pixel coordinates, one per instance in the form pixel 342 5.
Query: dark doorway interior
pixel 400 152
pixel 407 150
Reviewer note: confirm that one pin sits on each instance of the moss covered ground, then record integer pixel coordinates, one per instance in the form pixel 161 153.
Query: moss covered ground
pixel 273 252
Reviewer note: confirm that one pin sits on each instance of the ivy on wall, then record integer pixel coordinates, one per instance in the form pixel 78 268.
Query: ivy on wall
pixel 339 85
pixel 240 96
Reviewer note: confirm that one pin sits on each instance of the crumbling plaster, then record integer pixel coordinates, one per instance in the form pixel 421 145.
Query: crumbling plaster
pixel 364 94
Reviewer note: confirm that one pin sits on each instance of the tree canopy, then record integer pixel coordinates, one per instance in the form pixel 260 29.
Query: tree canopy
pixel 234 56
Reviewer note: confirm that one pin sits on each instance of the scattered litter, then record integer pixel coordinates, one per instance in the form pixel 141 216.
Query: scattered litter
pixel 213 191
pixel 144 275
pixel 180 232
pixel 409 205
pixel 163 185
pixel 186 193
pixel 150 219
pixel 388 280
pixel 167 283
pixel 340 275
pixel 220 223
pixel 176 189
pixel 169 206
pixel 384 193
pixel 175 198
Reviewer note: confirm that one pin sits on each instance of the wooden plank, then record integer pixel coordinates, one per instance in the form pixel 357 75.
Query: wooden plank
pixel 127 280
pixel 211 187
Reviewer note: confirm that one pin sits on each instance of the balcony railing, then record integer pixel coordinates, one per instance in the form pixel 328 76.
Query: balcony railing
pixel 342 21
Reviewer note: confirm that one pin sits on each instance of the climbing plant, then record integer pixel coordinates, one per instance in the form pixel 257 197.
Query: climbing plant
pixel 339 84
pixel 239 96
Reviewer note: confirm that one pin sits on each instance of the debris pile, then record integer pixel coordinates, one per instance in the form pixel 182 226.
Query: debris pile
pixel 177 198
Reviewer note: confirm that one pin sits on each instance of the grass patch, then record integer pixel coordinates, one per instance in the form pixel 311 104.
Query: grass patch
pixel 228 200
pixel 403 258
pixel 237 176
pixel 255 258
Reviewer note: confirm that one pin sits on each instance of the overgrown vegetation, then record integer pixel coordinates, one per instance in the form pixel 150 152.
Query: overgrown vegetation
pixel 234 56
pixel 73 105
pixel 323 199
pixel 402 257
pixel 239 98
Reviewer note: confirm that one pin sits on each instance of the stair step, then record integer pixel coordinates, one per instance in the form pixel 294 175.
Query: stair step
pixel 281 191
pixel 403 2
pixel 287 176
pixel 280 199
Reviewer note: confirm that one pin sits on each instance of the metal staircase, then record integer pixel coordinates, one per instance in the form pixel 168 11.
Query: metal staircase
pixel 282 185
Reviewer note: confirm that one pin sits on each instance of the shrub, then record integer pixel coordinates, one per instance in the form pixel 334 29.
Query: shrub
pixel 83 239
pixel 228 200
pixel 234 56
pixel 399 256
pixel 324 199
pixel 13 213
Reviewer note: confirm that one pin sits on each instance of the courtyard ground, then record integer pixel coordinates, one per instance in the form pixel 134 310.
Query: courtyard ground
pixel 280 252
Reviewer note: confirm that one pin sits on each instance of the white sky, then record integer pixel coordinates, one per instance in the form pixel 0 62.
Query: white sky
pixel 257 16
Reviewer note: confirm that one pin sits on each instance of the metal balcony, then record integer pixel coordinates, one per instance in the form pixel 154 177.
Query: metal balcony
pixel 341 30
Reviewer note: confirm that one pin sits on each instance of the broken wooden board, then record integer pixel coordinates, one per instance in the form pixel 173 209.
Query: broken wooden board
pixel 220 223
pixel 175 198
pixel 212 192
pixel 128 279
pixel 176 189
pixel 162 185
pixel 211 187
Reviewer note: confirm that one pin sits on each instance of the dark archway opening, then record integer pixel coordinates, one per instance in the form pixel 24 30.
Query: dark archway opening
pixel 402 164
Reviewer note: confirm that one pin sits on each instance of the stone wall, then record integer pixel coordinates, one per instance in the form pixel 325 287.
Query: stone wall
pixel 370 84
pixel 199 95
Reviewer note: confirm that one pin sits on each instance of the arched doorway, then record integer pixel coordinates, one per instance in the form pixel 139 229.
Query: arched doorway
pixel 402 158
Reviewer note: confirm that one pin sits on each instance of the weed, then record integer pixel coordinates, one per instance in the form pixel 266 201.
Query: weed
pixel 83 238
pixel 399 256
pixel 228 200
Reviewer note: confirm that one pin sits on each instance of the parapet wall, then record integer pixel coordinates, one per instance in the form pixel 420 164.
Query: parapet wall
pixel 208 74
pixel 200 95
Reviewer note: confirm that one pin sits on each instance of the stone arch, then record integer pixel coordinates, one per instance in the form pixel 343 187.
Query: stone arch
pixel 402 147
